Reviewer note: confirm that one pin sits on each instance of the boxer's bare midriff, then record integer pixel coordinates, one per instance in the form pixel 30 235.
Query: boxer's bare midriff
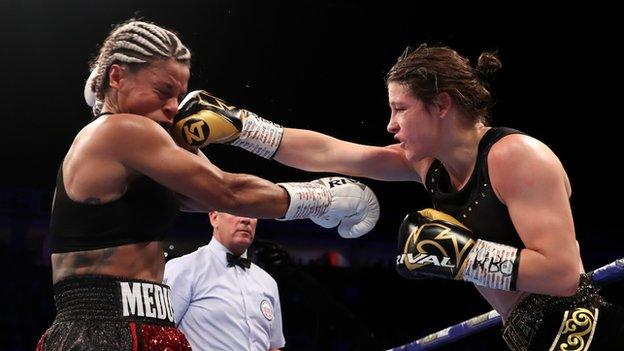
pixel 145 261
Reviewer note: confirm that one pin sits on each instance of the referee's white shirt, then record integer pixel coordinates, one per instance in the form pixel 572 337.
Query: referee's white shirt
pixel 224 308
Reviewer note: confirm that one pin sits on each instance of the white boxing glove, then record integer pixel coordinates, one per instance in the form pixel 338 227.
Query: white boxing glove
pixel 334 201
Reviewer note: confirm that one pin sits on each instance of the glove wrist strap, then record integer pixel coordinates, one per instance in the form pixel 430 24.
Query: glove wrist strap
pixel 492 265
pixel 306 200
pixel 259 136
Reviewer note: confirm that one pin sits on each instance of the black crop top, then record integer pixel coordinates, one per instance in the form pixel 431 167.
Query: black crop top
pixel 476 204
pixel 144 213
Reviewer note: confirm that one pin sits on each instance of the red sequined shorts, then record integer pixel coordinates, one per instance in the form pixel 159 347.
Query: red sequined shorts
pixel 108 313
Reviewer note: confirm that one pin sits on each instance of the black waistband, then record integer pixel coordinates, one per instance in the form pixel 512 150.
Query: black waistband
pixel 107 298
pixel 527 319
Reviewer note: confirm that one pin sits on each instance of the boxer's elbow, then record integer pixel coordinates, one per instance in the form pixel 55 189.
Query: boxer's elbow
pixel 566 277
pixel 564 287
pixel 215 195
pixel 569 284
pixel 242 195
pixel 229 197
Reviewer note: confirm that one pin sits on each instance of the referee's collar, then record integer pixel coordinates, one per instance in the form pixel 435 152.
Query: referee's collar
pixel 220 250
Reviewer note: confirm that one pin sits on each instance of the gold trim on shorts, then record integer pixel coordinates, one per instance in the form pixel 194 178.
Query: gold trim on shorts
pixel 576 331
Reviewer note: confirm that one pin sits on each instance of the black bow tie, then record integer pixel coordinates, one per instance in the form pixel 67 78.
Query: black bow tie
pixel 237 260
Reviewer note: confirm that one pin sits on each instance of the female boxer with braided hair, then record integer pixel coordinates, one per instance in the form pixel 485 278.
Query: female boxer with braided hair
pixel 121 184
pixel 513 235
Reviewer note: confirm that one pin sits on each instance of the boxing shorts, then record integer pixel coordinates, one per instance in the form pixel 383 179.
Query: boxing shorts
pixel 95 312
pixel 582 322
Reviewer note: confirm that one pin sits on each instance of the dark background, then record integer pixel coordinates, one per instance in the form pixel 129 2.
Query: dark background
pixel 317 65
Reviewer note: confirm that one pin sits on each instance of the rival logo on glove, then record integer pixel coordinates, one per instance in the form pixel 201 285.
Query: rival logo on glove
pixel 337 181
pixel 434 244
pixel 422 259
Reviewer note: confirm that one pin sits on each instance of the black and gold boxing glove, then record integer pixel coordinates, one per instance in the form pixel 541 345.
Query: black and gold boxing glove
pixel 203 119
pixel 434 244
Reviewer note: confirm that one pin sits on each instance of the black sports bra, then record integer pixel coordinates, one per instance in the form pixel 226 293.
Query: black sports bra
pixel 144 213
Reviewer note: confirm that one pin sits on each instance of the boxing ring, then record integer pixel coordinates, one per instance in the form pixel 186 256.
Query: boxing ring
pixel 602 276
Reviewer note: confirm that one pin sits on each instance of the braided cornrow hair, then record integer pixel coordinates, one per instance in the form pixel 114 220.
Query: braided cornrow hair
pixel 131 43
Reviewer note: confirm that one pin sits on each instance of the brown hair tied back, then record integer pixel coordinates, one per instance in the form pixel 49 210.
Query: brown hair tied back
pixel 431 70
pixel 487 65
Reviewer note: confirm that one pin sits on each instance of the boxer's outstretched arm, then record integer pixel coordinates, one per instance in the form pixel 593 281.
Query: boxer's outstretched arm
pixel 204 118
pixel 347 204
pixel 316 152
pixel 129 136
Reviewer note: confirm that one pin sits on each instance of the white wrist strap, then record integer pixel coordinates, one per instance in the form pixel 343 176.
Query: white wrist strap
pixel 306 200
pixel 259 136
pixel 492 265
